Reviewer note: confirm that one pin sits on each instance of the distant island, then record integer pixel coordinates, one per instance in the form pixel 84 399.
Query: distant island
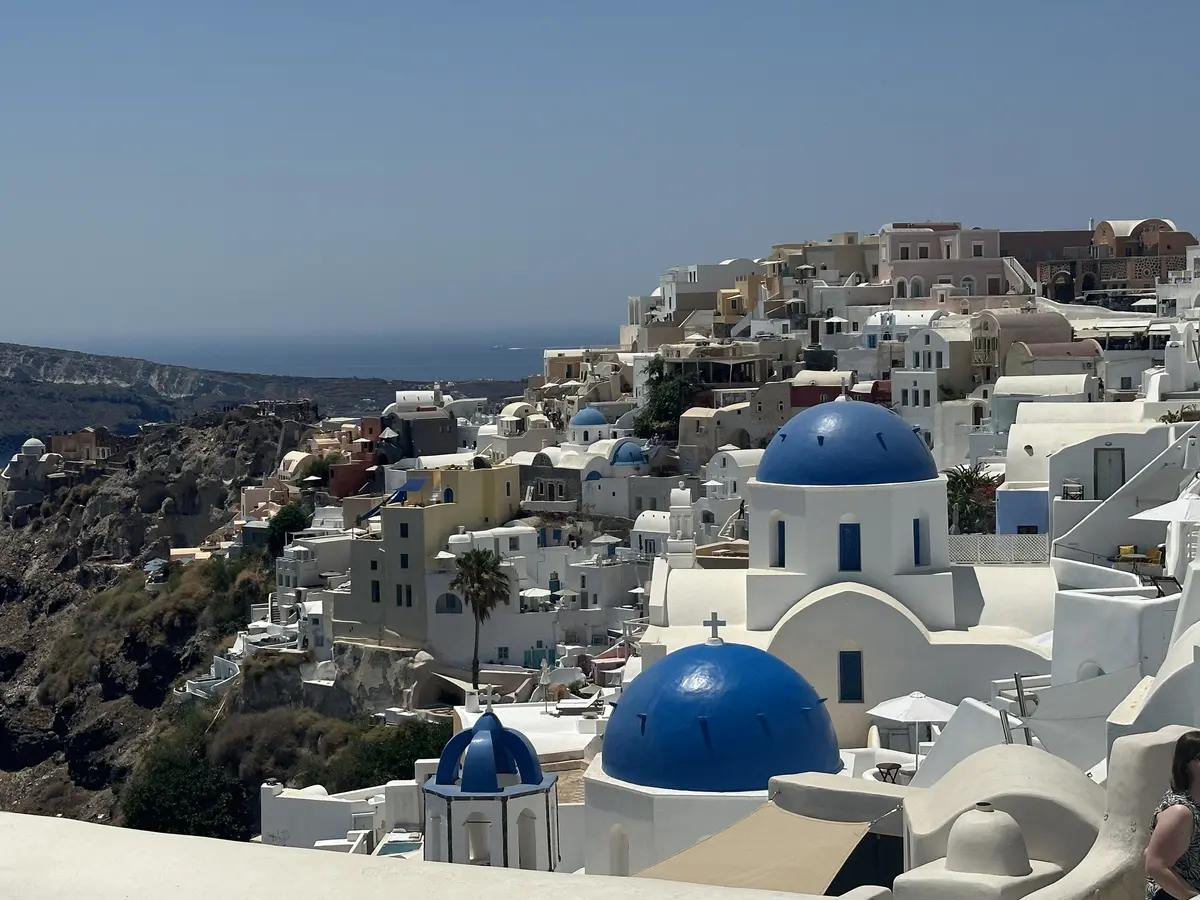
pixel 45 391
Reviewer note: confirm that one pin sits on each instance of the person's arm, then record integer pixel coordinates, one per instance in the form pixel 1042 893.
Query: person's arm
pixel 1172 834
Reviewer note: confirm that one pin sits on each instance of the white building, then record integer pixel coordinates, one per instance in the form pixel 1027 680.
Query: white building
pixel 849 577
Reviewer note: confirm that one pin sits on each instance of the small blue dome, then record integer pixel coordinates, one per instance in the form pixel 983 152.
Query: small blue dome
pixel 628 454
pixel 481 755
pixel 847 443
pixel 587 416
pixel 718 717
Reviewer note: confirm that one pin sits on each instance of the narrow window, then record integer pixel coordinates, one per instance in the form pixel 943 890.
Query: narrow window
pixel 850 676
pixel 374 591
pixel 916 542
pixel 403 529
pixel 850 547
pixel 780 543
pixel 404 556
pixel 408 595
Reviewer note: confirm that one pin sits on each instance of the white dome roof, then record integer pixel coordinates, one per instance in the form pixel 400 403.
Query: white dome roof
pixel 986 841
pixel 33 447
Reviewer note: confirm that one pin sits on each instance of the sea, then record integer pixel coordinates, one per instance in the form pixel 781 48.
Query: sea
pixel 400 358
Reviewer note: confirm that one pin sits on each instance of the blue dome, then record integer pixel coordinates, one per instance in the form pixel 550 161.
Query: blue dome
pixel 718 717
pixel 589 415
pixel 480 756
pixel 846 443
pixel 628 454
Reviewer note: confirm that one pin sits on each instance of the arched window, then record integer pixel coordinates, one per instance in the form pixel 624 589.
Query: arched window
pixel 448 495
pixel 968 285
pixel 585 437
pixel 901 288
pixel 707 518
pixel 618 851
pixel 916 287
pixel 448 603
pixel 527 840
pixel 479 851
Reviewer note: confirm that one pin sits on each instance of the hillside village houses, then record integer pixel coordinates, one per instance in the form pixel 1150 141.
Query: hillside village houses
pixel 755 648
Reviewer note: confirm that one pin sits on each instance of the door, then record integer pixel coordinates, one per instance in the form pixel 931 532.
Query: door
pixel 1109 465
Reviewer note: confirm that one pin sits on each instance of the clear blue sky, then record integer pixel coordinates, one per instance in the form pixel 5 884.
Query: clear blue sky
pixel 339 167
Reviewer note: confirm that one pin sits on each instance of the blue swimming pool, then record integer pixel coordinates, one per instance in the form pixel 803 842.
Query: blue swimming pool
pixel 395 848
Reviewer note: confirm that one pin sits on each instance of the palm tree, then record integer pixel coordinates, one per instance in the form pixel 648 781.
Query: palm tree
pixel 483 585
pixel 971 495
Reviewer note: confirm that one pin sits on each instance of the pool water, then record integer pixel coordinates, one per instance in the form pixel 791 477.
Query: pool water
pixel 395 848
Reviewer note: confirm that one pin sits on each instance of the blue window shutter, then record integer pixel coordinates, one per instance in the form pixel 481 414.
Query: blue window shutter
pixel 780 541
pixel 850 547
pixel 916 542
pixel 850 676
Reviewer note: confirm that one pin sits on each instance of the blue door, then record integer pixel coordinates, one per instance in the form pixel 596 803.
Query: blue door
pixel 850 547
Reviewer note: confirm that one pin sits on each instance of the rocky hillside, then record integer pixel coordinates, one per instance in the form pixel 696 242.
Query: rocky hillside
pixel 44 392
pixel 87 658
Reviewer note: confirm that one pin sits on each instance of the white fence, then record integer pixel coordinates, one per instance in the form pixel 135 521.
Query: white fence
pixel 999 549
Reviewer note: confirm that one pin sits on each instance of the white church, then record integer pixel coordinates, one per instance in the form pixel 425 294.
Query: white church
pixel 849 578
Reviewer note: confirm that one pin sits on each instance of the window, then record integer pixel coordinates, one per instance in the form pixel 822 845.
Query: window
pixel 926 339
pixel 760 410
pixel 448 603
pixel 582 582
pixel 904 397
pixel 650 547
pixel 993 285
pixel 923 251
pixel 1126 382
pixel 916 360
pixel 780 406
pixel 508 489
pixel 916 542
pixel 404 560
pixel 561 490
pixel 938 357
pixel 872 343
pixel 514 543
pixel 946 250
pixel 916 288
pixel 875 270
pixel 399 595
pixel 780 544
pixel 374 591
pixel 850 547
pixel 925 397
pixel 403 529
pixel 945 279
pixel 850 676
pixel 1027 529
pixel 733 486
pixel 901 288
pixel 723 459
pixel 968 285
pixel 977 249
pixel 904 251
pixel 374 564
pixel 408 595
pixel 502 654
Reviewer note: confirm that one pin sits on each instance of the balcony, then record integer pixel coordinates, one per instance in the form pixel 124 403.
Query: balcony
pixel 984 358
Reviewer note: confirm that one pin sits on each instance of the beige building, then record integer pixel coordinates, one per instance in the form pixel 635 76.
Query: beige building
pixel 993 331
pixel 387 601
pixel 914 257
pixel 1071 358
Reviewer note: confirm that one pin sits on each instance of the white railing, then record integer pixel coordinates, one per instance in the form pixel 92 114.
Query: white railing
pixel 999 549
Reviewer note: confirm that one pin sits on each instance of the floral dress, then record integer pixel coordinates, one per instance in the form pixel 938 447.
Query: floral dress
pixel 1188 865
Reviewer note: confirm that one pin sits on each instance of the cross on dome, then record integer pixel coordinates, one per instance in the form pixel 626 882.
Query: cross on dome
pixel 714 623
pixel 488 694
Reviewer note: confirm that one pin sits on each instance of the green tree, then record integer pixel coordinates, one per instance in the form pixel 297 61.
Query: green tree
pixel 667 398
pixel 288 520
pixel 178 790
pixel 320 466
pixel 385 753
pixel 483 585
pixel 971 499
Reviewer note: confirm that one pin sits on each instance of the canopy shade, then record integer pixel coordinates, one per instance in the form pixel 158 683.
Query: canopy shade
pixel 769 850
pixel 1181 509
pixel 916 707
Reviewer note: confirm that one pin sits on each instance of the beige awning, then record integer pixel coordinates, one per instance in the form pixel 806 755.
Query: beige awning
pixel 769 850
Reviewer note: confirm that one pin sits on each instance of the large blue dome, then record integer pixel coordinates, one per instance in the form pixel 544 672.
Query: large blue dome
pixel 628 454
pixel 846 442
pixel 589 415
pixel 718 717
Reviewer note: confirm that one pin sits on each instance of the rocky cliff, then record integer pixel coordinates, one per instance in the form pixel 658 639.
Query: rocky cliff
pixel 45 392
pixel 87 658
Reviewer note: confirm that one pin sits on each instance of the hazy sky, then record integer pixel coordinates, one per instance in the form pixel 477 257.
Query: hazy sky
pixel 342 167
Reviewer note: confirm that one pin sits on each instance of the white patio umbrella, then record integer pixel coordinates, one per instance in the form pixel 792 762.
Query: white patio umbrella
pixel 1181 509
pixel 605 539
pixel 536 593
pixel 712 482
pixel 637 590
pixel 914 709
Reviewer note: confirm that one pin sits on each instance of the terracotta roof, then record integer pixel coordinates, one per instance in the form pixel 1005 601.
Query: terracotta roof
pixel 1065 348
